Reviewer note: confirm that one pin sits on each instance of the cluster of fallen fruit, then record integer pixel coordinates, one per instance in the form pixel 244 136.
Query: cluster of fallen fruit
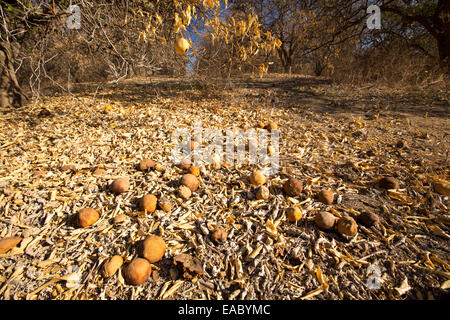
pixel 153 248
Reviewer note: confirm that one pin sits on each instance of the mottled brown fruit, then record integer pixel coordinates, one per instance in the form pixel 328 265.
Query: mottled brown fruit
pixel 271 126
pixel 120 185
pixel 111 266
pixel 148 203
pixel 137 272
pixel 159 167
pixel 219 236
pixel 165 204
pixel 98 172
pixel 347 226
pixel 257 178
pixel 326 197
pixel 44 113
pixel 86 217
pixel 184 192
pixel 120 218
pixel 389 183
pixel 294 214
pixel 146 164
pixel 190 181
pixel 325 220
pixel 68 167
pixel 153 248
pixel 368 218
pixel 293 187
pixel 188 266
pixel 185 164
pixel 194 170
pixel 262 193
pixel 8 243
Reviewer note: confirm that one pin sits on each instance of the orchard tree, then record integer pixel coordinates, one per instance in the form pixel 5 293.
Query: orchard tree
pixel 289 20
pixel 117 32
pixel 433 15
pixel 400 18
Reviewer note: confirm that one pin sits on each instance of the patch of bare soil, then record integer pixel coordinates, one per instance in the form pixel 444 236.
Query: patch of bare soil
pixel 342 139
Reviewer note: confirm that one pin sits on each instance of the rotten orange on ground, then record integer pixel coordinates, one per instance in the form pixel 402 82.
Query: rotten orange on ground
pixel 190 181
pixel 146 164
pixel 148 203
pixel 347 226
pixel 325 220
pixel 293 187
pixel 326 197
pixel 120 185
pixel 86 217
pixel 111 266
pixel 137 271
pixel 294 214
pixel 262 193
pixel 153 248
pixel 257 178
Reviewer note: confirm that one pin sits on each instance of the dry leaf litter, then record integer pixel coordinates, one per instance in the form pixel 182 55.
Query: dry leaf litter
pixel 221 241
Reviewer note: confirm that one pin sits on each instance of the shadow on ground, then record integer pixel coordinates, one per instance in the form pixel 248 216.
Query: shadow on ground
pixel 298 92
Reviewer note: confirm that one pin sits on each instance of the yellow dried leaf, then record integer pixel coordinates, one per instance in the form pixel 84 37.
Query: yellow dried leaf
pixel 172 290
pixel 428 261
pixel 312 293
pixel 445 285
pixel 444 264
pixel 400 197
pixel 438 232
pixel 442 187
pixel 321 278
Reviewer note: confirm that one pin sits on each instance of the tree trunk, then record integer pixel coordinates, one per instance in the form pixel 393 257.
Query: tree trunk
pixel 437 25
pixel 318 67
pixel 286 59
pixel 10 93
pixel 444 51
pixel 442 22
pixel 288 68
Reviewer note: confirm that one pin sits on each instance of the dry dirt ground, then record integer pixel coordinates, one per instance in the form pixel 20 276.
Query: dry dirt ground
pixel 331 137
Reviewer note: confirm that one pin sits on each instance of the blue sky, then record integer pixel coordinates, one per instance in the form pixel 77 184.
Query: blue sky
pixel 194 31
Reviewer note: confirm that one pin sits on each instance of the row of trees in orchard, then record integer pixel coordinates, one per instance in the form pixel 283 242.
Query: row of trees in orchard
pixel 320 33
pixel 115 40
pixel 119 39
